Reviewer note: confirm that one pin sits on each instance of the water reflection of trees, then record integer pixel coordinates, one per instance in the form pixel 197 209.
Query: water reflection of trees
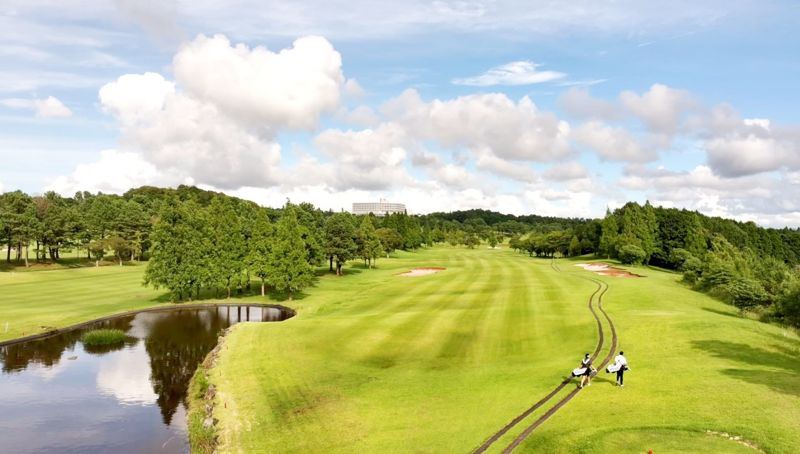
pixel 177 343
pixel 48 351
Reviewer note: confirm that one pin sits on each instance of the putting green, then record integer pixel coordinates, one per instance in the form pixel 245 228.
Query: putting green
pixel 374 362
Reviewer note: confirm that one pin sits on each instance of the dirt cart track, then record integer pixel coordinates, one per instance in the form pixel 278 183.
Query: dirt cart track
pixel 598 293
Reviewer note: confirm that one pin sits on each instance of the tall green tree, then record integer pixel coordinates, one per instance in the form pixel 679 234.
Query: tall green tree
pixel 227 255
pixel 15 208
pixel 259 247
pixel 574 246
pixel 179 251
pixel 288 268
pixel 609 237
pixel 390 240
pixel 369 246
pixel 340 242
pixel 312 224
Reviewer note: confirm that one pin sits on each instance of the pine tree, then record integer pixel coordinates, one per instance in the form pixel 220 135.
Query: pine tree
pixel 369 246
pixel 648 231
pixel 226 258
pixel 177 259
pixel 695 242
pixel 609 236
pixel 288 269
pixel 259 247
pixel 340 241
pixel 574 246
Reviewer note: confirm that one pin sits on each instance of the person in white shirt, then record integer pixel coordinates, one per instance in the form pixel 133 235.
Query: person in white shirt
pixel 622 363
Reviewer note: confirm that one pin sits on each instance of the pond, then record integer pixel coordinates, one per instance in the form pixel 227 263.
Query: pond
pixel 56 395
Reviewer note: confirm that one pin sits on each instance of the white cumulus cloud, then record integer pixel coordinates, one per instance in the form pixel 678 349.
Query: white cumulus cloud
pixel 368 159
pixel 256 86
pixel 661 108
pixel 216 123
pixel 566 172
pixel 511 130
pixel 115 172
pixel 612 143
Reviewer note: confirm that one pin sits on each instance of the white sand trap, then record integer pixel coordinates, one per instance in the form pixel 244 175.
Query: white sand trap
pixel 593 267
pixel 605 269
pixel 416 272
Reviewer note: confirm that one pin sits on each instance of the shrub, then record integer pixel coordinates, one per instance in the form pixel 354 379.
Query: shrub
pixel 103 337
pixel 630 254
pixel 678 258
pixel 788 305
pixel 745 293
pixel 692 270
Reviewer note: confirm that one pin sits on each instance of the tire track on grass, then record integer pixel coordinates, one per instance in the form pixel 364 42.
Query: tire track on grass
pixel 549 413
pixel 598 293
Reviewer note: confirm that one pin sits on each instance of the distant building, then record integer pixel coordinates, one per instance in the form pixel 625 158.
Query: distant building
pixel 381 208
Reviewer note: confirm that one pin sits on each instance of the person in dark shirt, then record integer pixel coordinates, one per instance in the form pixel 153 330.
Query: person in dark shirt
pixel 586 378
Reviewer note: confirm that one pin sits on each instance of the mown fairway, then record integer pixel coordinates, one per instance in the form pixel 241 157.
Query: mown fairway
pixel 374 362
pixel 379 363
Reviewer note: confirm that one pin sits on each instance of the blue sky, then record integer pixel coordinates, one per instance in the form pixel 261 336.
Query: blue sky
pixel 518 106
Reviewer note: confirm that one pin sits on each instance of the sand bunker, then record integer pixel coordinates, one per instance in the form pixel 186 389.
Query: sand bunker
pixel 421 271
pixel 605 269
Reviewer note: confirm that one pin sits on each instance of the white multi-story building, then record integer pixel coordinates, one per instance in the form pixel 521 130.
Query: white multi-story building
pixel 381 208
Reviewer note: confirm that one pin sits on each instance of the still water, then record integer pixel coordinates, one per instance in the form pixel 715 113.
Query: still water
pixel 58 396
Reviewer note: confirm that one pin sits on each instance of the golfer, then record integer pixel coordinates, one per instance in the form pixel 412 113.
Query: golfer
pixel 622 363
pixel 586 378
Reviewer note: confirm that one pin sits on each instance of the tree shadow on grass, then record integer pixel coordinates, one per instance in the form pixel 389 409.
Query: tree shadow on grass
pixel 346 271
pixel 719 312
pixel 275 295
pixel 786 379
pixel 221 295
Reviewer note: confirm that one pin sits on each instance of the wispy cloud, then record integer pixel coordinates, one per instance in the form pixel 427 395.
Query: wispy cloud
pixel 581 83
pixel 671 38
pixel 515 73
pixel 49 107
pixel 20 81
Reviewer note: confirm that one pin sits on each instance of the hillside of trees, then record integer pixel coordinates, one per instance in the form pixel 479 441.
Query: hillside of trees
pixel 200 242
pixel 753 268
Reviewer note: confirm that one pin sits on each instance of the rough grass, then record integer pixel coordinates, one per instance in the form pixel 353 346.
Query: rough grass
pixel 201 438
pixel 101 337
pixel 378 363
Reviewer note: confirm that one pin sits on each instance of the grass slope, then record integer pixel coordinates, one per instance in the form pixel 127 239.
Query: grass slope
pixel 697 367
pixel 33 302
pixel 374 362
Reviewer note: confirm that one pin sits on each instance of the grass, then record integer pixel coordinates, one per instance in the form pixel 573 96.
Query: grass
pixel 34 302
pixel 374 362
pixel 40 301
pixel 100 337
pixel 201 437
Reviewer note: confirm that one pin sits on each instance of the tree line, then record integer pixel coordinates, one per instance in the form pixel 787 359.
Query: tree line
pixel 753 268
pixel 199 240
